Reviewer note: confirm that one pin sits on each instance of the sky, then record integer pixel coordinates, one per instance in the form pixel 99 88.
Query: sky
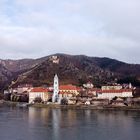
pixel 102 28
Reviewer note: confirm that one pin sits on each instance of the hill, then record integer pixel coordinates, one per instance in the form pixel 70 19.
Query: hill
pixel 71 69
pixel 5 77
pixel 77 70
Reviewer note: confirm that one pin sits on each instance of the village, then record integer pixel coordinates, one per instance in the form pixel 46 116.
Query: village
pixel 114 95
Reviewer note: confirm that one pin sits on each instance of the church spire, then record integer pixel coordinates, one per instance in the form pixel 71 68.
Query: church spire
pixel 55 89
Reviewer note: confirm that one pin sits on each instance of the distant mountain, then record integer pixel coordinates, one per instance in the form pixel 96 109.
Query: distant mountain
pixel 19 65
pixel 71 69
pixel 11 69
pixel 5 77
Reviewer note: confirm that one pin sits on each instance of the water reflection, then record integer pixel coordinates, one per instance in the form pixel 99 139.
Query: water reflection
pixel 83 124
pixel 66 124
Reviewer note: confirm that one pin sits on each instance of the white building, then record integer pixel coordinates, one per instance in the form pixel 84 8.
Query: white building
pixel 38 92
pixel 115 87
pixel 22 88
pixel 88 85
pixel 109 94
pixel 55 89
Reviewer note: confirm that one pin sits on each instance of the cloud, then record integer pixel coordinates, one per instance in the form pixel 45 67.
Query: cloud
pixel 31 4
pixel 33 28
pixel 121 18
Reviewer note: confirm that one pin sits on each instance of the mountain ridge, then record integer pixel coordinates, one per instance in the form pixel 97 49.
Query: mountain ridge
pixel 73 69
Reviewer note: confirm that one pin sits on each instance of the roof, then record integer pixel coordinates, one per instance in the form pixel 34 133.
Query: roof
pixel 25 86
pixel 62 92
pixel 116 91
pixel 68 87
pixel 39 89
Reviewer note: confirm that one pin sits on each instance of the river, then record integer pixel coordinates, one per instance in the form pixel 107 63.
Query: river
pixel 66 124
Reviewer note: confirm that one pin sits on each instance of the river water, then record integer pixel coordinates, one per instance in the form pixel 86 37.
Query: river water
pixel 66 124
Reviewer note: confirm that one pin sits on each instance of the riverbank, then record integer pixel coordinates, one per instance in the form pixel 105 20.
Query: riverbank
pixel 57 106
pixel 108 107
pixel 8 103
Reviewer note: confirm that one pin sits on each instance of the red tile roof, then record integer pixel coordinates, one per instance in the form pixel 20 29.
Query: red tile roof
pixel 62 92
pixel 39 89
pixel 68 87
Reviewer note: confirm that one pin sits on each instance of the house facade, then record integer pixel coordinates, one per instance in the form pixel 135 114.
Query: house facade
pixel 25 88
pixel 110 94
pixel 38 92
pixel 114 87
pixel 68 92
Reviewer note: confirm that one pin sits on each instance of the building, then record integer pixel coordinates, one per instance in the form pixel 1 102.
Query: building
pixel 93 92
pixel 68 89
pixel 118 102
pixel 110 94
pixel 114 87
pixel 19 97
pixel 24 88
pixel 68 92
pixel 38 92
pixel 55 89
pixel 54 59
pixel 88 85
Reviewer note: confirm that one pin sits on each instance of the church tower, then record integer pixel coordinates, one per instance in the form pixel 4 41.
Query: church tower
pixel 55 89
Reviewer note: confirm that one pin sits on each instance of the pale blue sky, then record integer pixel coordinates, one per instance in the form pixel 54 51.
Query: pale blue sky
pixel 104 28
